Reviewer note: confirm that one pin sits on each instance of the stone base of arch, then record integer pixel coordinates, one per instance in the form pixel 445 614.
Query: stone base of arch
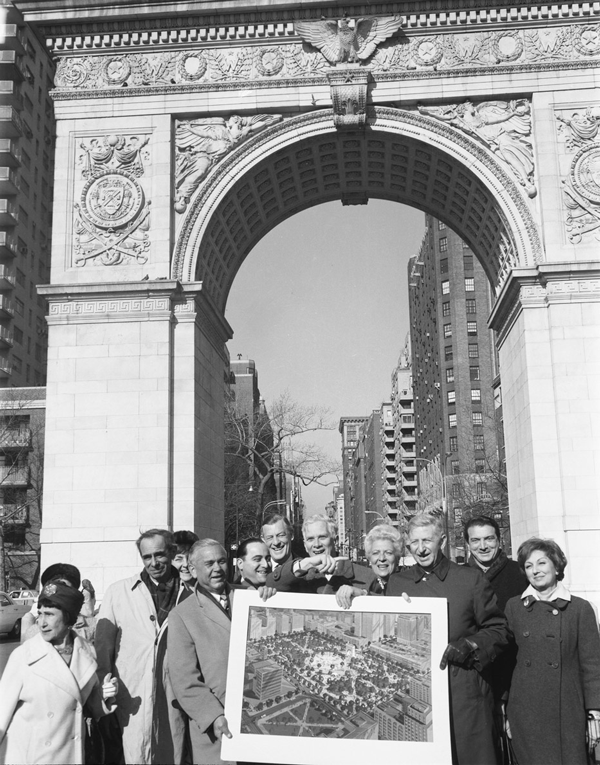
pixel 134 429
pixel 548 324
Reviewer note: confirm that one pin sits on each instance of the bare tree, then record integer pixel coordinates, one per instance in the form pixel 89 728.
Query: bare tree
pixel 262 448
pixel 22 416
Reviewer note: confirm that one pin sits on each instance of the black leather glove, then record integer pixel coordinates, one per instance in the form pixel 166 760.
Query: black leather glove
pixel 459 652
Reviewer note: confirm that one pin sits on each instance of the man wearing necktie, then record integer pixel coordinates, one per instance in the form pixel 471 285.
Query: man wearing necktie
pixel 198 648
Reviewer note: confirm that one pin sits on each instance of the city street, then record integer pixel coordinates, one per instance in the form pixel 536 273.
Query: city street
pixel 7 646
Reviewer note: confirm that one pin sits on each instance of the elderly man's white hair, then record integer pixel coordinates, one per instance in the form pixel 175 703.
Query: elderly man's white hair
pixel 426 519
pixel 202 544
pixel 332 527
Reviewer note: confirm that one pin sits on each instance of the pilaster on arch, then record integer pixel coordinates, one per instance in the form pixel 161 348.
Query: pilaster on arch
pixel 402 156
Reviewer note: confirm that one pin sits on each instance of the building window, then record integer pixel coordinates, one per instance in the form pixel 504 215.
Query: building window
pixel 473 351
pixel 447 330
pixel 445 287
pixel 455 491
pixel 450 375
pixel 469 284
pixel 480 465
pixel 444 244
pixel 471 328
pixel 478 441
pixel 468 262
pixel 475 394
pixel 477 418
pixel 17 363
pixel 452 397
pixel 18 335
pixel 455 467
pixel 452 420
pixel 441 225
pixel 471 305
pixel 448 353
pixel 474 373
pixel 482 489
pixel 19 307
pixel 446 309
pixel 444 266
pixel 453 443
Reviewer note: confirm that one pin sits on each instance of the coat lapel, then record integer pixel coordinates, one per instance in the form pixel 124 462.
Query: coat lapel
pixel 45 662
pixel 213 610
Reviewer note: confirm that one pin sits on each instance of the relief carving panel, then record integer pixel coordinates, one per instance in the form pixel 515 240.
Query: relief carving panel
pixel 112 218
pixel 581 188
pixel 386 53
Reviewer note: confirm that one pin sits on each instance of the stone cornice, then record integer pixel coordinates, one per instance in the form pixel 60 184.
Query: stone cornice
pixel 539 287
pixel 267 23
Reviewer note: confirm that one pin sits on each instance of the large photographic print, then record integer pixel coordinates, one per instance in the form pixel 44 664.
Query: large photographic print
pixel 309 681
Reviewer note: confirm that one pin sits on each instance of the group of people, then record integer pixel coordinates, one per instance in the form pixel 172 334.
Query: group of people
pixel 523 654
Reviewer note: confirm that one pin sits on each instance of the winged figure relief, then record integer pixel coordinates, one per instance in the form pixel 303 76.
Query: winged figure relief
pixel 340 42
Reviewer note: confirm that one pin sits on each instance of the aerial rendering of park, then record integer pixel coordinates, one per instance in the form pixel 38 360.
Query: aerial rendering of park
pixel 337 675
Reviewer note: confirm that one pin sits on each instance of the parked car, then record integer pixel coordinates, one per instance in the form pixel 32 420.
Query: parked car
pixel 24 597
pixel 11 614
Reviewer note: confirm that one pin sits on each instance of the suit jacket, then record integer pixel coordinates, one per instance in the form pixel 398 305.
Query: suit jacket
pixel 346 572
pixel 198 651
pixel 42 701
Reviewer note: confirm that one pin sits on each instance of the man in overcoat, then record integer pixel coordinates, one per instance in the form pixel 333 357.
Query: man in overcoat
pixel 131 627
pixel 198 649
pixel 482 537
pixel 477 635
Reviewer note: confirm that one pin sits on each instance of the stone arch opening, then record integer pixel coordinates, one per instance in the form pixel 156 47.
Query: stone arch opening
pixel 304 161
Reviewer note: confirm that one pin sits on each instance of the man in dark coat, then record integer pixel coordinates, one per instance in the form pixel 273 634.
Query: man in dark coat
pixel 477 635
pixel 321 571
pixel 482 537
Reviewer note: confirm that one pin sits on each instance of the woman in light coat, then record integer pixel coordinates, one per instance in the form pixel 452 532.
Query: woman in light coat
pixel 46 685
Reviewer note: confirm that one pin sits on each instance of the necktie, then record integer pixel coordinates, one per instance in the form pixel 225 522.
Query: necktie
pixel 224 602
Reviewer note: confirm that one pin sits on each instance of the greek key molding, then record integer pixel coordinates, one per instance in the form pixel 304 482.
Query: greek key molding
pixel 97 306
pixel 408 57
pixel 118 35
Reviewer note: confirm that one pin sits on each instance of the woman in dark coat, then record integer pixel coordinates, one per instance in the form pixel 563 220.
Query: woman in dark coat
pixel 555 687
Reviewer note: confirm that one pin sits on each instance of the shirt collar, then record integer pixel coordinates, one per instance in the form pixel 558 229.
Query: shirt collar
pixel 440 569
pixel 560 592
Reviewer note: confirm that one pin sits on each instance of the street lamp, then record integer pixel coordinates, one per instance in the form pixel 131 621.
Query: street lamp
pixel 271 504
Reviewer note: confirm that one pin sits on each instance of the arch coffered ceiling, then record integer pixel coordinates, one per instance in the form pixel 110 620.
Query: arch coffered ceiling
pixel 303 161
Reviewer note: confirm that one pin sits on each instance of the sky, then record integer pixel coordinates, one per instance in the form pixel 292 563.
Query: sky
pixel 321 305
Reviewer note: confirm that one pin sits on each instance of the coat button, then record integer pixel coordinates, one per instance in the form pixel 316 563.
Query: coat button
pixel 526 633
pixel 555 612
pixel 527 663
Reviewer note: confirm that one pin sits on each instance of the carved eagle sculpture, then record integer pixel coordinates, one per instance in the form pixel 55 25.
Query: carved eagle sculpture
pixel 340 43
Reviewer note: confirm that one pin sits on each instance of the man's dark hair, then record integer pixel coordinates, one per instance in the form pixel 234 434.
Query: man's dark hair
pixel 184 540
pixel 481 520
pixel 242 550
pixel 62 571
pixel 166 535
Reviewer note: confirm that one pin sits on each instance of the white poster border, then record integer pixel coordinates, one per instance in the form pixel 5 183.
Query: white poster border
pixel 295 750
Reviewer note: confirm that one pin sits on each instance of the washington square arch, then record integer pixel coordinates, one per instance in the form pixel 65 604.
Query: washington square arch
pixel 188 130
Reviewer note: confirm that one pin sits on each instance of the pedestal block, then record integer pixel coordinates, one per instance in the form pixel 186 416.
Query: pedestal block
pixel 135 402
pixel 548 323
